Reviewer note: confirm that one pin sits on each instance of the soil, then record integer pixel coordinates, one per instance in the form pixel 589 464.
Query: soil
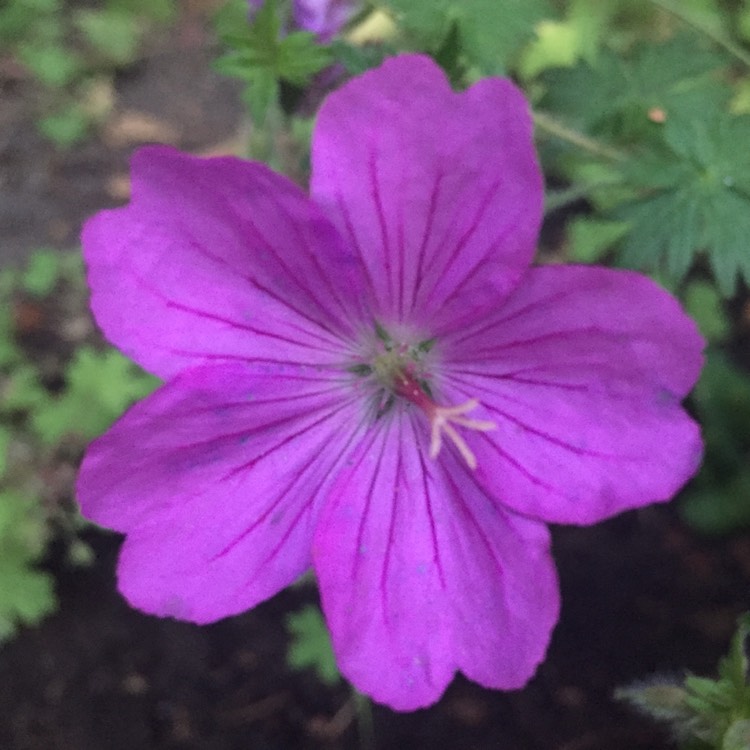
pixel 642 594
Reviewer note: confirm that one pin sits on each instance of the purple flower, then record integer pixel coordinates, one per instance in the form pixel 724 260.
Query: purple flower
pixel 324 18
pixel 373 382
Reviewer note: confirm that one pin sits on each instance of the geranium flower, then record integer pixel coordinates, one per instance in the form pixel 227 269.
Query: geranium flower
pixel 324 18
pixel 373 382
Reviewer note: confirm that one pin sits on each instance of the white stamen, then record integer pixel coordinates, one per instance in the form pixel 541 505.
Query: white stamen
pixel 441 421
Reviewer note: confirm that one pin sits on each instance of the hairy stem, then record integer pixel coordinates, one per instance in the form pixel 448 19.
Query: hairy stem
pixel 548 124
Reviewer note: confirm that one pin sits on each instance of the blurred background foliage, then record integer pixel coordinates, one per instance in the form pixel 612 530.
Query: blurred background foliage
pixel 642 110
pixel 72 49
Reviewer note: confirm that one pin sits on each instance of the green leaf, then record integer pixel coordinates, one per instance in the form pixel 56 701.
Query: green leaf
pixel 22 390
pixel 99 386
pixel 67 126
pixel 262 56
pixel 619 98
pixel 26 594
pixel 42 272
pixel 589 239
pixel 54 65
pixel 733 667
pixel 662 699
pixel 300 57
pixel 695 199
pixel 705 306
pixel 310 645
pixel 710 714
pixel 493 31
pixel 18 18
pixel 718 508
pixel 737 736
pixel 718 500
pixel 113 34
pixel 261 94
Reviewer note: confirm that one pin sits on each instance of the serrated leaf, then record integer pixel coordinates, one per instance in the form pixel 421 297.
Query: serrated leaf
pixel 26 594
pixel 622 98
pixel 696 199
pixel 261 93
pixel 300 57
pixel 310 645
pixel 99 386
pixel 493 31
pixel 262 55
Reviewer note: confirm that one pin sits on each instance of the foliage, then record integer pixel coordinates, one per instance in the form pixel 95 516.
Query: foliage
pixel 704 714
pixel 49 410
pixel 264 56
pixel 26 593
pixel 65 46
pixel 310 646
pixel 718 500
pixel 491 31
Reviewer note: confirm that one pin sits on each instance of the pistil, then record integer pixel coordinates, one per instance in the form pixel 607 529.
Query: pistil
pixel 442 418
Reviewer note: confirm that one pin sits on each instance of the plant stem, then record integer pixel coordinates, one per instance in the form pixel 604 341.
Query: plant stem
pixel 557 199
pixel 715 35
pixel 364 722
pixel 553 127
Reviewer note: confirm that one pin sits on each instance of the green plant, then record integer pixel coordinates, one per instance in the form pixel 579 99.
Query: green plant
pixel 65 46
pixel 56 394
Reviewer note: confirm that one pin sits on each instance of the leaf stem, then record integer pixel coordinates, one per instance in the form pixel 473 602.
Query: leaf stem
pixel 557 199
pixel 550 125
pixel 715 35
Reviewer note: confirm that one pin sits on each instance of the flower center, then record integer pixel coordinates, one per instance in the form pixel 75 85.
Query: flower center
pixel 442 418
pixel 400 370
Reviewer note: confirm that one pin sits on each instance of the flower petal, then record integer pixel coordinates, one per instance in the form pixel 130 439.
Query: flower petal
pixel 323 17
pixel 218 258
pixel 217 479
pixel 440 193
pixel 582 371
pixel 421 574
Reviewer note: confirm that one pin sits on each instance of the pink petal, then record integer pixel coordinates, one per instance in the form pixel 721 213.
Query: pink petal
pixel 217 479
pixel 421 574
pixel 219 258
pixel 582 371
pixel 439 193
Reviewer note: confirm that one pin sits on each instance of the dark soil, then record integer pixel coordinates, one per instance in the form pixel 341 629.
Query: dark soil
pixel 642 595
